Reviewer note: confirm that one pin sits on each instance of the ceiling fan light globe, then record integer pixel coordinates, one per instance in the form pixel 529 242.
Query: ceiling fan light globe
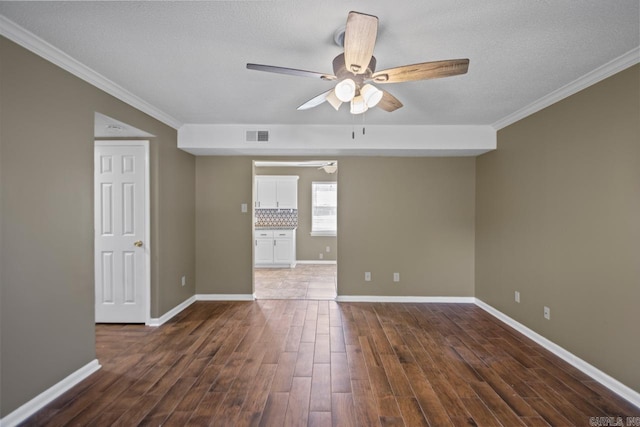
pixel 345 90
pixel 333 100
pixel 371 95
pixel 358 106
pixel 330 168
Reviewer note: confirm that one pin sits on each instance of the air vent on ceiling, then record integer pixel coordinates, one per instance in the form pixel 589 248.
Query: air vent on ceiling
pixel 257 136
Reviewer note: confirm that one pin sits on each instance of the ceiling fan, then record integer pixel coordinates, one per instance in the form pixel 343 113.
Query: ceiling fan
pixel 329 167
pixel 355 71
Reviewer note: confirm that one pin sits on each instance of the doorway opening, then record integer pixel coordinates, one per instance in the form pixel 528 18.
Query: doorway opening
pixel 295 229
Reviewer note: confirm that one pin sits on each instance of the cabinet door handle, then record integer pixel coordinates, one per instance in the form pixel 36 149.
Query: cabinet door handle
pixel 274 242
pixel 256 242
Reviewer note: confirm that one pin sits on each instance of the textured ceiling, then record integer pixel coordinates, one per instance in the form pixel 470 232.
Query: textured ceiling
pixel 188 58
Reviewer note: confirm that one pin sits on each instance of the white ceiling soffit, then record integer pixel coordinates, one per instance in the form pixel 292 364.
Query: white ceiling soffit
pixel 185 62
pixel 317 140
pixel 294 164
pixel 107 127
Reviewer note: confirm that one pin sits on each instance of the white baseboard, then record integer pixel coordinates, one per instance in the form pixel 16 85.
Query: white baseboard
pixel 595 373
pixel 169 314
pixel 199 297
pixel 47 396
pixel 377 298
pixel 318 261
pixel 224 297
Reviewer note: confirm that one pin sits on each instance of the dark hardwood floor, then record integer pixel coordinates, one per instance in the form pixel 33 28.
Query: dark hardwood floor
pixel 322 363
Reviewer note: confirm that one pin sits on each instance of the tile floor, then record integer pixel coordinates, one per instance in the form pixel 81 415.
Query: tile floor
pixel 305 281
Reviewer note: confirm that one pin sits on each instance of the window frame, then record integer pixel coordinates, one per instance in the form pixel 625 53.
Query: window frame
pixel 323 232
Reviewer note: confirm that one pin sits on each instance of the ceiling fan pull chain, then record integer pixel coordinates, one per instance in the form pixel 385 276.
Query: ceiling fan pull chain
pixel 353 127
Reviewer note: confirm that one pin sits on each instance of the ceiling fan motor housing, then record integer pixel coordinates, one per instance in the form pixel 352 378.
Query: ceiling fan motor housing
pixel 341 72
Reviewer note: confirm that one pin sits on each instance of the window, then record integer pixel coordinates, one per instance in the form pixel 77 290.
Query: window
pixel 324 208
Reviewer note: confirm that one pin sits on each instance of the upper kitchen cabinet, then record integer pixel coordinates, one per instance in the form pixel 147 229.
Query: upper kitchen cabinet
pixel 276 192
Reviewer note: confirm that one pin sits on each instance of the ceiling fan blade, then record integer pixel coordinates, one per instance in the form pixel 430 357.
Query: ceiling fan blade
pixel 359 41
pixel 389 102
pixel 314 102
pixel 422 71
pixel 290 71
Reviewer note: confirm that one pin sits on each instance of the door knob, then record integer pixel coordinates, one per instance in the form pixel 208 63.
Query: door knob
pixel 138 243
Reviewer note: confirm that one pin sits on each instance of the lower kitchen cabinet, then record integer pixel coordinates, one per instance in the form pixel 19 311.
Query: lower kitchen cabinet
pixel 275 248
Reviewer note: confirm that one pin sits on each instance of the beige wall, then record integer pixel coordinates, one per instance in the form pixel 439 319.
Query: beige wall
pixel 223 233
pixel 558 219
pixel 308 248
pixel 409 215
pixel 46 221
pixel 414 216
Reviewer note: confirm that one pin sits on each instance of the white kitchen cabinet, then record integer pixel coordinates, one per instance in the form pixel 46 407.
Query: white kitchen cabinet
pixel 266 193
pixel 275 248
pixel 283 244
pixel 264 247
pixel 287 192
pixel 276 192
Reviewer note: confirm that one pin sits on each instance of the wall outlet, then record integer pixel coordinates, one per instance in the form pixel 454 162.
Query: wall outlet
pixel 328 249
pixel 547 313
pixel 183 280
pixel 320 255
pixel 367 276
pixel 396 277
pixel 243 208
pixel 517 296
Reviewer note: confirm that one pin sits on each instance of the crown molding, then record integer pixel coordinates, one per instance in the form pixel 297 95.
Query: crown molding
pixel 35 44
pixel 610 68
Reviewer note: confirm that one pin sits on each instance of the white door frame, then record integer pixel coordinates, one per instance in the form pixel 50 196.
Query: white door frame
pixel 147 217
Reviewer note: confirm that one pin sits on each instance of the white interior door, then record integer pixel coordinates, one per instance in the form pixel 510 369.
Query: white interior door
pixel 121 243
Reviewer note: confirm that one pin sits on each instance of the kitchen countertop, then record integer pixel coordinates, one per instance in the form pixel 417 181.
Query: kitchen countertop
pixel 275 228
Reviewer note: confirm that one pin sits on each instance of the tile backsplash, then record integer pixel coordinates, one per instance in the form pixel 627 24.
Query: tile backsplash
pixel 276 218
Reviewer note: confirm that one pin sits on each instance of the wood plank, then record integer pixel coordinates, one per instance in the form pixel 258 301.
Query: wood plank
pixel 257 396
pixel 319 419
pixel 357 365
pixel 411 412
pixel 165 406
pixel 364 402
pixel 284 373
pixel 304 361
pixel 321 388
pixel 336 338
pixel 547 412
pixel 340 379
pixel 480 414
pixel 342 413
pixel 275 409
pixel 507 393
pixel 309 330
pixel 323 349
pixel 427 398
pixel 388 409
pixel 298 406
pixel 496 405
pixel 293 338
pixel 396 376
